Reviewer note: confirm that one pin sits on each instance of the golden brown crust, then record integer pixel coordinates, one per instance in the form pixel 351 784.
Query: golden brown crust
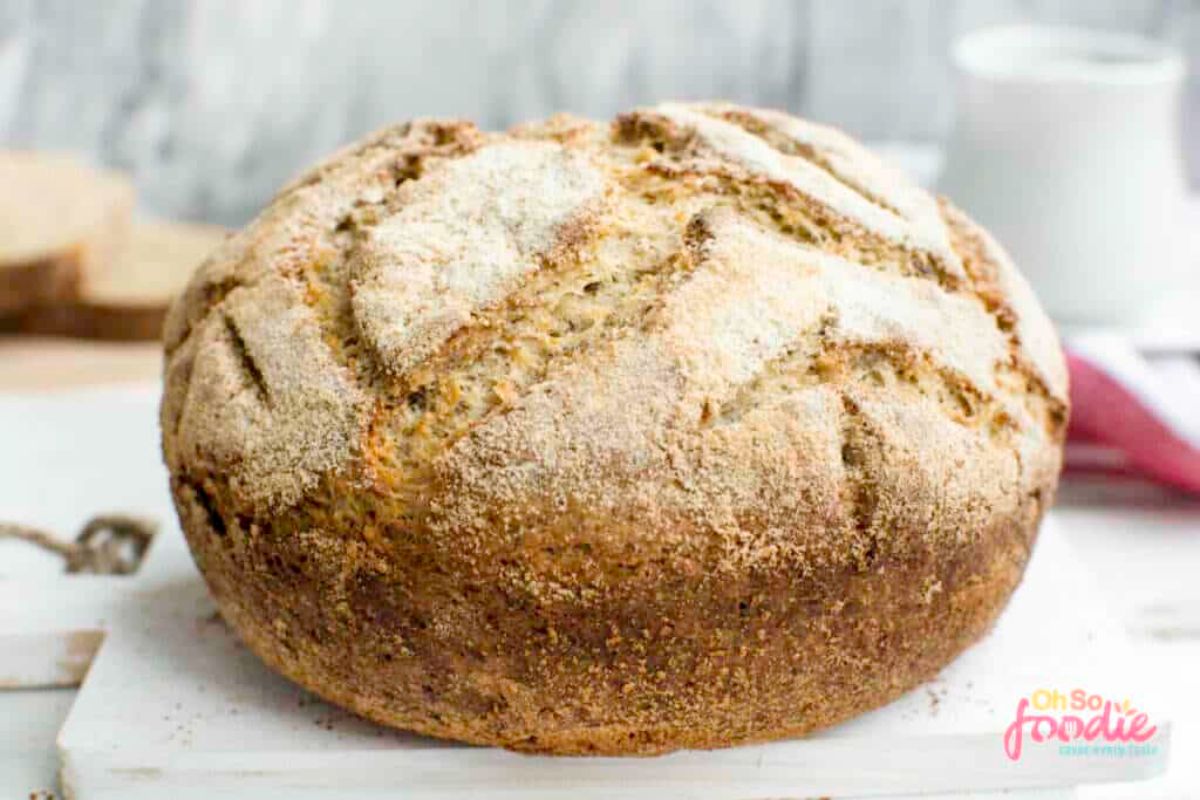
pixel 706 429
pixel 61 225
pixel 87 321
pixel 128 302
pixel 52 279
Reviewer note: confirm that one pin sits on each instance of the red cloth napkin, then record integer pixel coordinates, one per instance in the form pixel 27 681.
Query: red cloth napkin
pixel 1132 414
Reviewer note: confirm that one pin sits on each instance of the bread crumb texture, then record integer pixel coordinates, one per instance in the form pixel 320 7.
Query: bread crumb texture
pixel 697 428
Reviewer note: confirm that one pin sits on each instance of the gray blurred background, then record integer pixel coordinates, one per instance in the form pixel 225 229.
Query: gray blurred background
pixel 212 104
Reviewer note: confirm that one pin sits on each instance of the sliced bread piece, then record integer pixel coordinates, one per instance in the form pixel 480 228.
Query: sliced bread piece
pixel 60 221
pixel 129 301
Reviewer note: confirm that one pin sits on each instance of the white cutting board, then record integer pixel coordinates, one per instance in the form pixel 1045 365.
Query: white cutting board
pixel 174 706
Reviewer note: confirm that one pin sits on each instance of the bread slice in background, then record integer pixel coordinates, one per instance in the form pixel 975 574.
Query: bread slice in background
pixel 62 223
pixel 128 301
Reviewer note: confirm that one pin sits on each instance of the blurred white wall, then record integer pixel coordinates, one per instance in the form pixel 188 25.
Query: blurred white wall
pixel 212 104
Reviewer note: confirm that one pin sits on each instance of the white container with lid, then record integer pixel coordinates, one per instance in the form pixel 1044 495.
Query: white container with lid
pixel 1067 147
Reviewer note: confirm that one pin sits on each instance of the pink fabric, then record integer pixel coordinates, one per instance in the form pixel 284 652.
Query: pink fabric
pixel 1106 414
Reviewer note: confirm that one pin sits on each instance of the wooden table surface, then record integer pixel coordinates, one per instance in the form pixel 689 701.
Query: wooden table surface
pixel 42 363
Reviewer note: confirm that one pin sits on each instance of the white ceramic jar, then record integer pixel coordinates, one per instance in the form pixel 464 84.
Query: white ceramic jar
pixel 1067 147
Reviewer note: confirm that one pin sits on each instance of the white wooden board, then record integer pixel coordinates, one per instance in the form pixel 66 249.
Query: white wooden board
pixel 174 706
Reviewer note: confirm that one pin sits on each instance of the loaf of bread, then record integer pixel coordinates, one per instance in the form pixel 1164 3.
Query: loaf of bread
pixel 60 222
pixel 697 428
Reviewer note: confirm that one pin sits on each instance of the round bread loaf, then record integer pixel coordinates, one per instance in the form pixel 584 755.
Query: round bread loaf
pixel 697 428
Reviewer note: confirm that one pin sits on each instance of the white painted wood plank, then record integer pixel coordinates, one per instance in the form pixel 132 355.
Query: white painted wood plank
pixel 29 721
pixel 63 458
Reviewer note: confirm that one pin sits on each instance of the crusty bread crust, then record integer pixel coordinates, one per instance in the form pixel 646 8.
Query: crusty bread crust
pixel 43 280
pixel 88 321
pixel 130 302
pixel 697 429
pixel 63 224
